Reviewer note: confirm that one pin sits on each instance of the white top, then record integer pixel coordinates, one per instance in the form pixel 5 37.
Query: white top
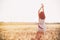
pixel 41 25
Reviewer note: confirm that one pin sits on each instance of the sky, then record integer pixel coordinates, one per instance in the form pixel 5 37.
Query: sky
pixel 27 10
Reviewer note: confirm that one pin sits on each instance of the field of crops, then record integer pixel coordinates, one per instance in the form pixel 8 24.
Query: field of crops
pixel 27 31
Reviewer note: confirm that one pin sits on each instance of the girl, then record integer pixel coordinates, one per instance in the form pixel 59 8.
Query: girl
pixel 41 24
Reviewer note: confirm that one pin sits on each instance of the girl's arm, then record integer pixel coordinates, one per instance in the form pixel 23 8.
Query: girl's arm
pixel 41 12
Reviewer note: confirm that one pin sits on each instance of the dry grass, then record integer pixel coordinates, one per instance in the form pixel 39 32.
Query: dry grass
pixel 27 31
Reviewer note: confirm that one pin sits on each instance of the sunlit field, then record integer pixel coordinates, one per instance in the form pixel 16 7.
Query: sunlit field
pixel 27 31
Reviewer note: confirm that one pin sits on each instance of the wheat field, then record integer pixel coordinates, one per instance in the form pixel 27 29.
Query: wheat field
pixel 27 31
